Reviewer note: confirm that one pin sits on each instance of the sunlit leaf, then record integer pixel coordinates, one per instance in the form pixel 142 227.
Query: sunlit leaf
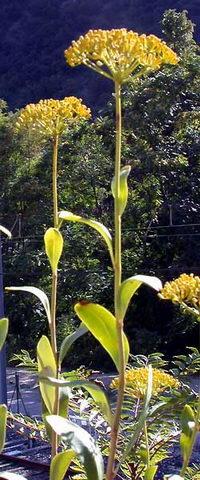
pixel 94 390
pixel 102 324
pixel 150 472
pixel 3 331
pixel 5 231
pixel 53 246
pixel 188 426
pixel 69 340
pixel 64 396
pixel 60 464
pixel 130 286
pixel 46 368
pixel 38 293
pixel 123 197
pixel 104 232
pixel 12 476
pixel 82 443
pixel 173 477
pixel 3 418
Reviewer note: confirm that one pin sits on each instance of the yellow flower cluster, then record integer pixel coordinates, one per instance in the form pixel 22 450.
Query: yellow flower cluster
pixel 118 53
pixel 183 290
pixel 136 382
pixel 51 117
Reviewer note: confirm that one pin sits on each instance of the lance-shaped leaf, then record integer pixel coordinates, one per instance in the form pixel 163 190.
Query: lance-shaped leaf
pixel 3 418
pixel 38 293
pixel 3 331
pixel 5 231
pixel 12 476
pixel 53 246
pixel 69 340
pixel 102 324
pixel 82 443
pixel 60 464
pixel 94 390
pixel 130 286
pixel 150 472
pixel 64 396
pixel 123 196
pixel 173 477
pixel 187 437
pixel 46 368
pixel 104 232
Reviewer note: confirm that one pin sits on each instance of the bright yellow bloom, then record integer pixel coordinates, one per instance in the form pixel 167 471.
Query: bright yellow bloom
pixel 118 53
pixel 185 290
pixel 136 382
pixel 51 117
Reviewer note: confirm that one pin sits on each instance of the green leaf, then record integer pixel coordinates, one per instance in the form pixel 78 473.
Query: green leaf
pixel 173 477
pixel 130 286
pixel 12 476
pixel 53 246
pixel 38 293
pixel 5 231
pixel 3 331
pixel 102 324
pixel 188 426
pixel 94 390
pixel 60 464
pixel 46 368
pixel 69 340
pixel 150 472
pixel 82 443
pixel 98 396
pixel 3 419
pixel 64 395
pixel 104 232
pixel 123 197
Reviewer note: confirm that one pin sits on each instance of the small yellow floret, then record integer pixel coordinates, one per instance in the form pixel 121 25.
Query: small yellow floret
pixel 183 290
pixel 51 117
pixel 118 53
pixel 136 382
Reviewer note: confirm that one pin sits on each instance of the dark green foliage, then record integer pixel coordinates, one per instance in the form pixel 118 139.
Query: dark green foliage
pixel 178 30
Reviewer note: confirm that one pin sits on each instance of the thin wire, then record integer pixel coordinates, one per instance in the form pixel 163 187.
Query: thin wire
pixel 40 237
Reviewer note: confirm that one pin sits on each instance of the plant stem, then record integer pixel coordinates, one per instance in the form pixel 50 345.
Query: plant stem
pixel 147 443
pixel 54 181
pixel 54 438
pixel 110 474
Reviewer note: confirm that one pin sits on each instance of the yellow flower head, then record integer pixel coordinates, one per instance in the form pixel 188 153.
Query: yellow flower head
pixel 136 382
pixel 183 290
pixel 51 117
pixel 118 53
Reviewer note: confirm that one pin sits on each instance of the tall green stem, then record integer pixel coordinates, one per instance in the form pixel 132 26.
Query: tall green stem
pixel 54 180
pixel 54 443
pixel 110 474
pixel 147 444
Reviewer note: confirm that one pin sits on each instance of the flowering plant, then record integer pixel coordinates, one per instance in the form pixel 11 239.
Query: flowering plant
pixel 119 55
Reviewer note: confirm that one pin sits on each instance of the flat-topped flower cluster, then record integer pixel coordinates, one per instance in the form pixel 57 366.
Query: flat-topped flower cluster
pixel 51 117
pixel 136 380
pixel 118 53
